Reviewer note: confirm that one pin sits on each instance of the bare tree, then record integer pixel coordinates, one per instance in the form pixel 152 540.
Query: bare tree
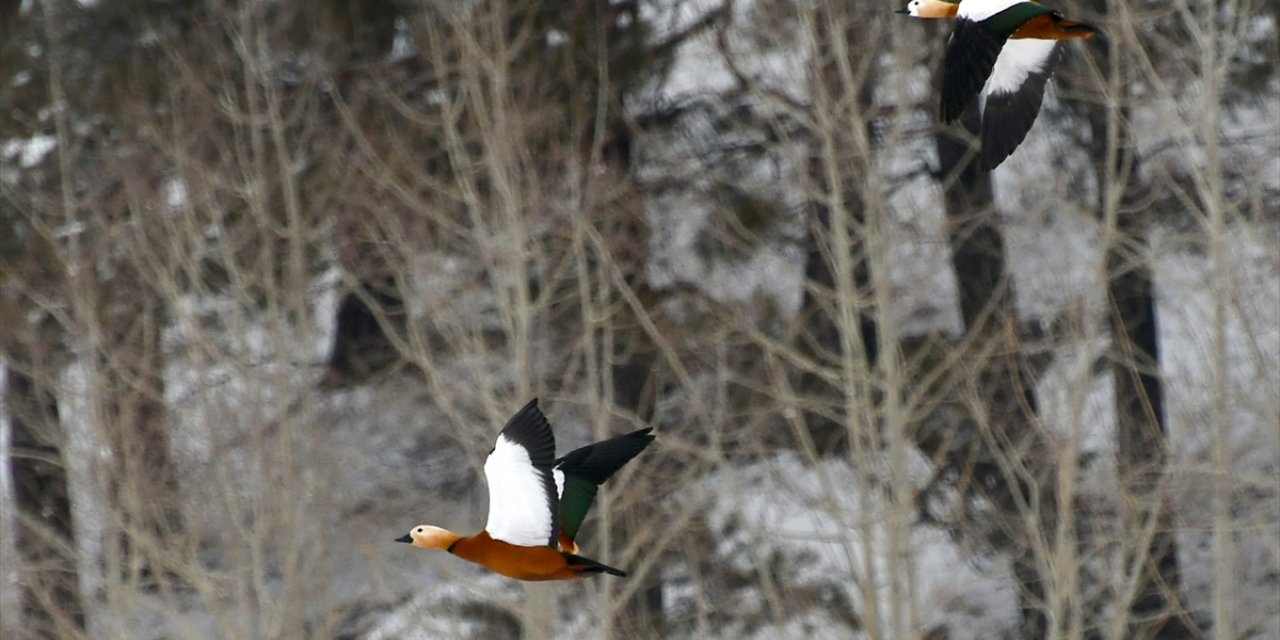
pixel 44 532
pixel 1142 434
pixel 279 273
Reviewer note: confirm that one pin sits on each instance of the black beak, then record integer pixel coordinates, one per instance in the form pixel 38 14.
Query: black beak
pixel 404 538
pixel 903 11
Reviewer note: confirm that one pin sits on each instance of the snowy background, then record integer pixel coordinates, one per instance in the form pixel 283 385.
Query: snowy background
pixel 263 178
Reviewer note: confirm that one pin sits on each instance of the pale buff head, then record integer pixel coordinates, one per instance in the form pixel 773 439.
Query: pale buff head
pixel 931 9
pixel 429 537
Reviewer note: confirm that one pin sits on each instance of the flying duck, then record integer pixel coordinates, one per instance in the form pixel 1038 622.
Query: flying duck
pixel 536 503
pixel 1003 52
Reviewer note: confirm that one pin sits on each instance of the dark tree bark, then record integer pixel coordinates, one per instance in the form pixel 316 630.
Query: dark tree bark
pixel 360 31
pixel 1142 436
pixel 1003 381
pixel 1134 354
pixel 44 543
pixel 361 349
pixel 820 334
pixel 1143 445
pixel 634 377
pixel 977 246
pixel 633 388
pixel 44 531
pixel 142 487
pixel 357 37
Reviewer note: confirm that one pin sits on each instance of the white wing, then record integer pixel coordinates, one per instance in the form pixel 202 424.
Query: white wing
pixel 1018 60
pixel 1012 96
pixel 559 478
pixel 979 10
pixel 523 501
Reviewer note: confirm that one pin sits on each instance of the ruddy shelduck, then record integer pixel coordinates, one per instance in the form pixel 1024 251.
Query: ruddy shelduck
pixel 1001 52
pixel 536 502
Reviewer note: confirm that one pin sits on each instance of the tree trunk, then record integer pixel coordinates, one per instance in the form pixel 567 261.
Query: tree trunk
pixel 1141 435
pixel 633 392
pixel 1143 446
pixel 820 334
pixel 977 247
pixel 142 488
pixel 361 350
pixel 44 531
pixel 986 305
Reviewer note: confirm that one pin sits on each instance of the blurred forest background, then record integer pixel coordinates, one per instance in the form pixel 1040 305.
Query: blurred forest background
pixel 274 274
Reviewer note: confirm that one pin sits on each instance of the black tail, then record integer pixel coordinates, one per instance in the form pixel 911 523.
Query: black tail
pixel 597 462
pixel 1076 28
pixel 587 565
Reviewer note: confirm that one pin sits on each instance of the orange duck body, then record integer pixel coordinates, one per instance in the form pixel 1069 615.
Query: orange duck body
pixel 536 502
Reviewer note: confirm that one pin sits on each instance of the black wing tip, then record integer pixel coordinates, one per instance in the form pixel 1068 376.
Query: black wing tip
pixel 530 429
pixel 1003 133
pixel 989 162
pixel 1085 27
pixel 593 566
pixel 642 437
pixel 597 462
pixel 1007 118
pixel 996 148
pixel 528 413
pixel 1076 26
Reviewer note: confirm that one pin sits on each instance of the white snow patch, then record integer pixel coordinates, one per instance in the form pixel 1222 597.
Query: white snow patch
pixel 176 194
pixel 556 38
pixel 812 514
pixel 402 45
pixel 1186 296
pixel 772 58
pixel 924 291
pixel 439 607
pixel 29 152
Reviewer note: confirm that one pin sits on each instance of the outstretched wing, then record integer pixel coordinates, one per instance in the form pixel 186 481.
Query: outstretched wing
pixel 523 502
pixel 980 33
pixel 580 473
pixel 966 65
pixel 1013 95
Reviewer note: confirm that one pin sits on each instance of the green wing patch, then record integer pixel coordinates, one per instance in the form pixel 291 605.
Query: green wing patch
pixel 586 468
pixel 574 504
pixel 1009 20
